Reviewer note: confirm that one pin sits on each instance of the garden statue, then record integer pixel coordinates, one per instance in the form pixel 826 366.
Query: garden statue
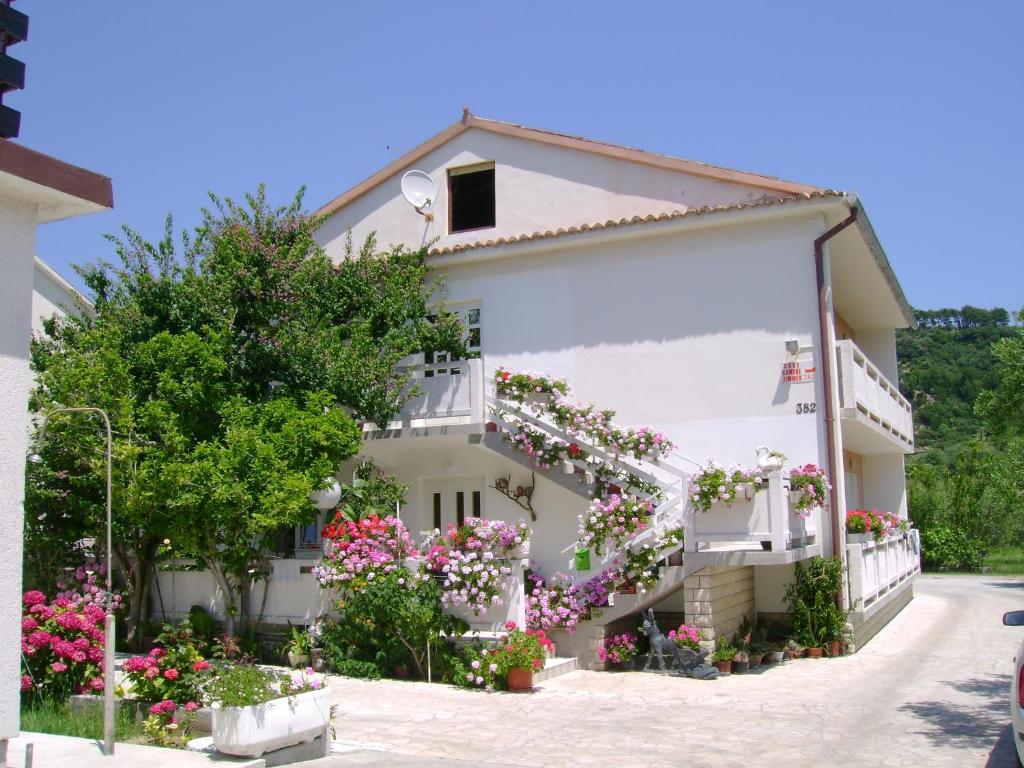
pixel 659 643
pixel 686 660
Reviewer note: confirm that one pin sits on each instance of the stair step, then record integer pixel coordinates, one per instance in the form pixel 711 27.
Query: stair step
pixel 497 443
pixel 555 667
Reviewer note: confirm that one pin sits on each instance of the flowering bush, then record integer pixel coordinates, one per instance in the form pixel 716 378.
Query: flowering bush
pixel 810 479
pixel 618 649
pixel 616 518
pixel 715 484
pixel 173 671
pixel 543 450
pixel 360 551
pixel 61 646
pixel 469 561
pixel 517 386
pixel 165 728
pixel 588 420
pixel 560 604
pixel 81 586
pixel 880 524
pixel 247 686
pixel 685 637
pixel 488 668
pixel 638 566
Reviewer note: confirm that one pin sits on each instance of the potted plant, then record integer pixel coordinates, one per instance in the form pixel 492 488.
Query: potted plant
pixel 723 656
pixel 794 650
pixel 777 653
pixel 740 662
pixel 257 711
pixel 817 619
pixel 619 650
pixel 296 647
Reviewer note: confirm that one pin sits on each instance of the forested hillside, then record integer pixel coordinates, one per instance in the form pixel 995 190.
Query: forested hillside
pixel 944 365
pixel 963 370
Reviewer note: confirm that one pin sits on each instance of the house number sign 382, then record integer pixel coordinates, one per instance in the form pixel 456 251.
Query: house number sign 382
pixel 802 408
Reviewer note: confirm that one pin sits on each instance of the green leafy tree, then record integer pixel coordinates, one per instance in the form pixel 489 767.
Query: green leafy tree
pixel 234 370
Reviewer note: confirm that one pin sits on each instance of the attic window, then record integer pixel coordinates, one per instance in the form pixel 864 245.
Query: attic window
pixel 471 198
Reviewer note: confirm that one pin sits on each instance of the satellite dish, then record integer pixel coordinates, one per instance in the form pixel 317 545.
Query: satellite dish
pixel 418 189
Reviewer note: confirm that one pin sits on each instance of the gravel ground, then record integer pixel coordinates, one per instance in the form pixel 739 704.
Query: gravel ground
pixel 931 689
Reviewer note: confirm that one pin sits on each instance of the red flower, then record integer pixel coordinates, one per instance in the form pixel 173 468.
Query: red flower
pixel 200 665
pixel 171 674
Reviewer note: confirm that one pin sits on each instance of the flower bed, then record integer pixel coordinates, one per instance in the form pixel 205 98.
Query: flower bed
pixel 171 674
pixel 810 479
pixel 715 484
pixel 362 551
pixel 616 518
pixel 618 649
pixel 560 604
pixel 489 668
pixel 518 386
pixel 880 525
pixel 470 561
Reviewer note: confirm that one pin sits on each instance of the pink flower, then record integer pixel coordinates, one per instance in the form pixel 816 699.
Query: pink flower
pixel 191 706
pixel 34 597
pixel 59 666
pixel 164 707
pixel 510 625
pixel 200 665
pixel 96 683
pixel 28 624
pixel 171 674
pixel 151 673
pixel 26 683
pixel 156 653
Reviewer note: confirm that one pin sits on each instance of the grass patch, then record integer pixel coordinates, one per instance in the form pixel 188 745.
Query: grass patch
pixel 1006 561
pixel 51 717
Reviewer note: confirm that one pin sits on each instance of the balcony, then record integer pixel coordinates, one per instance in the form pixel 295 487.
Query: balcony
pixel 450 399
pixel 878 569
pixel 876 418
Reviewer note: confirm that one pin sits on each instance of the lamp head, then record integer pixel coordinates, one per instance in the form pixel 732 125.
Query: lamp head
pixel 35 458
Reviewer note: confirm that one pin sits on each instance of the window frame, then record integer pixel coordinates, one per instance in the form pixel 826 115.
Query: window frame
pixel 464 170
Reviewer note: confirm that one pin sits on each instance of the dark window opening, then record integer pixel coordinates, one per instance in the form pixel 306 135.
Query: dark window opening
pixel 476 503
pixel 460 508
pixel 437 511
pixel 471 200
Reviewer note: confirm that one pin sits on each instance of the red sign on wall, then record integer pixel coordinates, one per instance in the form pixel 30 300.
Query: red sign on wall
pixel 795 373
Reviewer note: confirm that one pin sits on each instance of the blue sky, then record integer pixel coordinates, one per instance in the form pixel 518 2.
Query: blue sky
pixel 916 106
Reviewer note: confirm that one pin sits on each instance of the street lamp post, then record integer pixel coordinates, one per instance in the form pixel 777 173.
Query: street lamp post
pixel 108 619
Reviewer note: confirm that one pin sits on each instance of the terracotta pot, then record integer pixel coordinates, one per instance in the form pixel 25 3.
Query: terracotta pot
pixel 835 648
pixel 676 558
pixel 739 667
pixel 814 653
pixel 629 589
pixel 491 426
pixel 520 680
pixel 612 488
pixel 724 667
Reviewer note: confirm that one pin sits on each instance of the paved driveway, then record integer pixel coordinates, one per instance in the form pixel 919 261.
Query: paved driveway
pixel 929 690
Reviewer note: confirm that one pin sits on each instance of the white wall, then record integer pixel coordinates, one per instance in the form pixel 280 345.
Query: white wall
pixel 537 187
pixel 50 295
pixel 683 332
pixel 880 347
pixel 17 245
pixel 884 483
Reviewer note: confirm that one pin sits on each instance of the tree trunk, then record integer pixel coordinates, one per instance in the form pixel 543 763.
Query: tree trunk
pixel 137 571
pixel 224 582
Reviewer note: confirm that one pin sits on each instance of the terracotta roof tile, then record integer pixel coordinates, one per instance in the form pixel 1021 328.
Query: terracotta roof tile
pixel 760 202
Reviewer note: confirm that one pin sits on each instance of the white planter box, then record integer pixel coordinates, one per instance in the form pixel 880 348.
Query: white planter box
pixel 859 538
pixel 251 731
pixel 743 519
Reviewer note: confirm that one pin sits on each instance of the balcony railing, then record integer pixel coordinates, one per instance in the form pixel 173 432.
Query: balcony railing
pixel 450 393
pixel 768 519
pixel 867 395
pixel 878 568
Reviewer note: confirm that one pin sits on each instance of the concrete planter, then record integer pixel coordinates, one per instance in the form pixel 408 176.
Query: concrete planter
pixel 252 731
pixel 859 538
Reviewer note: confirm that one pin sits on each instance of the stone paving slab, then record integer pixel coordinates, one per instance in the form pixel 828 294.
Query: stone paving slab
pixel 931 689
pixel 50 751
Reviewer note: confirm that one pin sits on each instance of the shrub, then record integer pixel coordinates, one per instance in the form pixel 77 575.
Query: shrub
pixel 173 671
pixel 389 624
pixel 812 601
pixel 366 670
pixel 361 551
pixel 618 649
pixel 946 547
pixel 62 646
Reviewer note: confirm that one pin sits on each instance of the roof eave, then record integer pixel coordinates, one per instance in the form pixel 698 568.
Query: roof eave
pixel 867 232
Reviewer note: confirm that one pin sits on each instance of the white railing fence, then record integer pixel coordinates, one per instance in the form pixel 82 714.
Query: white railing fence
pixel 877 568
pixel 864 387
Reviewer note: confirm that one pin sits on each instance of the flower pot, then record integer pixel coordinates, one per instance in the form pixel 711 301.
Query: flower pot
pixel 314 658
pixel 739 667
pixel 815 653
pixel 628 589
pixel 401 672
pixel 520 679
pixel 796 496
pixel 252 731
pixel 298 659
pixel 755 660
pixel 676 558
pixel 490 426
pixel 626 666
pixel 777 656
pixel 724 667
pixel 835 648
pixel 520 552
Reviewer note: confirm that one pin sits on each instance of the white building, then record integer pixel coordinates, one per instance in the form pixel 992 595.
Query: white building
pixel 53 295
pixel 34 189
pixel 677 294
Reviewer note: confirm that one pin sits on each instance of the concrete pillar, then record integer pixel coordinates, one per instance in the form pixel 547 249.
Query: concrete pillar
pixel 718 599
